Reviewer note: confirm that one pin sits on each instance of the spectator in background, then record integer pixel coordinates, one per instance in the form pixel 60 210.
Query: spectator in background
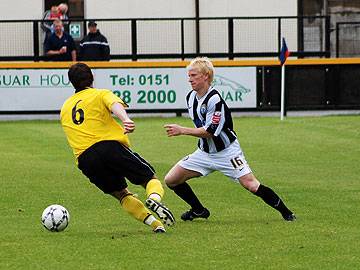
pixel 47 25
pixel 94 46
pixel 62 10
pixel 60 46
pixel 55 12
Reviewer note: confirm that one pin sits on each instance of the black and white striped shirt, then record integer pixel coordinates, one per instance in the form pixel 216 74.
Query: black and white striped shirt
pixel 211 113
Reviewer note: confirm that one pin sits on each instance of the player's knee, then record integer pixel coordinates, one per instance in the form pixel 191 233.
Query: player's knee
pixel 249 182
pixel 121 194
pixel 144 184
pixel 169 181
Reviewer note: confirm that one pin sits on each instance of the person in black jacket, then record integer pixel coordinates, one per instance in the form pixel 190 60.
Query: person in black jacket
pixel 60 46
pixel 94 46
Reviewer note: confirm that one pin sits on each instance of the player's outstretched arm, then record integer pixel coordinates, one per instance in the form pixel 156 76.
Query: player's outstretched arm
pixel 119 110
pixel 176 130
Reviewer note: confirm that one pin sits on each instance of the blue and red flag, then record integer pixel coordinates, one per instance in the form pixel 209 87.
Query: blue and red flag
pixel 284 53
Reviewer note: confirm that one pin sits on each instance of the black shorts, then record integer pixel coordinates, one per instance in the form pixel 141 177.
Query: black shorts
pixel 108 163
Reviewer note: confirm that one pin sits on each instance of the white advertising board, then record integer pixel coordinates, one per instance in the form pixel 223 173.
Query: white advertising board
pixel 142 88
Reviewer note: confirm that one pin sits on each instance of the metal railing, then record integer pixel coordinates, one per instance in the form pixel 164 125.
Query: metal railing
pixel 181 38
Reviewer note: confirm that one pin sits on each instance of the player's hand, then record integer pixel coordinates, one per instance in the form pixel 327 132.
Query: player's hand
pixel 129 126
pixel 173 130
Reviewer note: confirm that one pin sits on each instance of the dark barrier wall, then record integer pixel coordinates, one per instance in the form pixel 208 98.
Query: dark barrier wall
pixel 310 87
pixel 348 85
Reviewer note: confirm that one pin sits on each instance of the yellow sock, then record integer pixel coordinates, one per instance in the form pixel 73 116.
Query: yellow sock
pixel 153 222
pixel 156 223
pixel 135 208
pixel 154 190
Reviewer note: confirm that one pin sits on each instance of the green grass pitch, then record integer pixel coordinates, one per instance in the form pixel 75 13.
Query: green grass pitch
pixel 311 162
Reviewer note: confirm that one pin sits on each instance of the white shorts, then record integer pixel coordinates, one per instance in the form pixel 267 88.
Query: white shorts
pixel 230 161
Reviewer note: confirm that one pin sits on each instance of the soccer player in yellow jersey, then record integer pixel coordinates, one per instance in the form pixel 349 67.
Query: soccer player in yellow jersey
pixel 101 147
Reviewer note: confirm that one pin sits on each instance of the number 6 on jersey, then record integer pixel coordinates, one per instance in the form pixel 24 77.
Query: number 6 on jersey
pixel 75 112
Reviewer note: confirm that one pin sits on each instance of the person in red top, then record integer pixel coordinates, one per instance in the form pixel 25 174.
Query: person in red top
pixel 62 10
pixel 54 13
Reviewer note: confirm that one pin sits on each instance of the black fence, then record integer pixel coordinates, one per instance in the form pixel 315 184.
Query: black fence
pixel 348 39
pixel 310 87
pixel 180 38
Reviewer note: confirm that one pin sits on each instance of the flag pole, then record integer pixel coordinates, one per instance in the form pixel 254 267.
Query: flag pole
pixel 282 110
pixel 284 54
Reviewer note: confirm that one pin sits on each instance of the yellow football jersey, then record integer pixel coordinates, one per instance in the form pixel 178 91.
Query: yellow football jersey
pixel 86 119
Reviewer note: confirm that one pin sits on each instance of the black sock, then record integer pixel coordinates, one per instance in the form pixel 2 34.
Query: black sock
pixel 272 199
pixel 185 192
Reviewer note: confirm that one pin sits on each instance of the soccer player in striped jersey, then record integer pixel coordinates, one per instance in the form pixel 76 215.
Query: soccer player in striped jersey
pixel 218 146
pixel 101 148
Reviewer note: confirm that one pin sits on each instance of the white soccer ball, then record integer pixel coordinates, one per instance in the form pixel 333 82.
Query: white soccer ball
pixel 55 218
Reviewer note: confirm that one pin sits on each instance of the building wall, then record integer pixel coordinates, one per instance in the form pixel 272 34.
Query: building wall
pixel 162 36
pixel 247 8
pixel 33 9
pixel 21 9
pixel 213 34
pixel 186 8
pixel 139 9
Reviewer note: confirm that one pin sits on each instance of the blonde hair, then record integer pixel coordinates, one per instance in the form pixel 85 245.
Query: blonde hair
pixel 63 7
pixel 204 66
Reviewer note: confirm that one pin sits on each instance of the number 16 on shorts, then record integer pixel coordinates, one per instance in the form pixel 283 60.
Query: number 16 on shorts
pixel 237 163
